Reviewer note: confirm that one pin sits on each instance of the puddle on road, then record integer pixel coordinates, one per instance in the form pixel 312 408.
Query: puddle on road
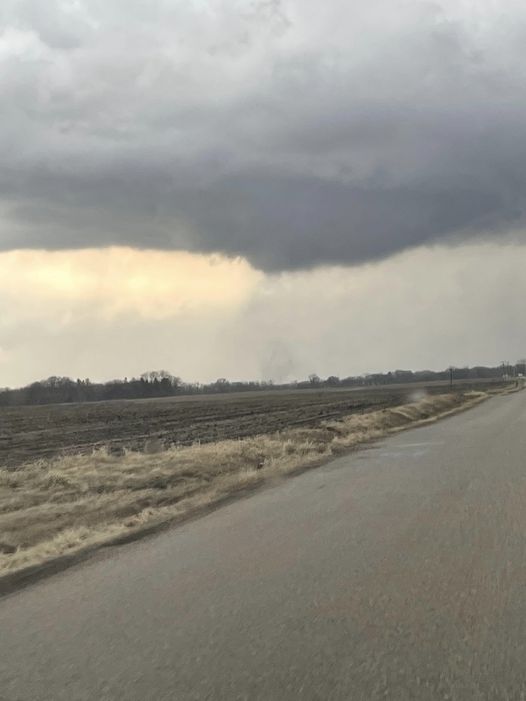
pixel 412 450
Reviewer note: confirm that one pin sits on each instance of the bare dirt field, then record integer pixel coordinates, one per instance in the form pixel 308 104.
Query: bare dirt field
pixel 73 478
pixel 34 432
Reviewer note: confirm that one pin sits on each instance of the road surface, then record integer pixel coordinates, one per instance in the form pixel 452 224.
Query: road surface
pixel 398 572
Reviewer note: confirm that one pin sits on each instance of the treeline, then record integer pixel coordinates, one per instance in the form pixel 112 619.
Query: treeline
pixel 156 384
pixel 64 390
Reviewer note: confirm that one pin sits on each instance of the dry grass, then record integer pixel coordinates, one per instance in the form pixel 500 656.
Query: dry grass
pixel 52 507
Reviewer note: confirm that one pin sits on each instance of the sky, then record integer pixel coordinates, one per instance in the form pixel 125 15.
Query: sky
pixel 260 189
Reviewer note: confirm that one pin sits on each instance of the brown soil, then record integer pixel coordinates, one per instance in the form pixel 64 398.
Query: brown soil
pixel 29 433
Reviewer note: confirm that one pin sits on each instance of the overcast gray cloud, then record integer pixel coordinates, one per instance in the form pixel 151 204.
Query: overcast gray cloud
pixel 294 133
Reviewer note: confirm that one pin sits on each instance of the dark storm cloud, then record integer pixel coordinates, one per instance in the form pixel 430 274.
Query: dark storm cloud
pixel 291 133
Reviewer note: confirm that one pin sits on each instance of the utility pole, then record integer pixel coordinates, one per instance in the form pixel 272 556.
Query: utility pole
pixel 451 377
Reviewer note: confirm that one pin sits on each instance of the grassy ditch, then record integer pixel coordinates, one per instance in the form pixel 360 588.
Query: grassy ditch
pixel 49 508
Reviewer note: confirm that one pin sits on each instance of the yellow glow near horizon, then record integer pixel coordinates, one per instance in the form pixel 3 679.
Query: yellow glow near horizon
pixel 116 280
